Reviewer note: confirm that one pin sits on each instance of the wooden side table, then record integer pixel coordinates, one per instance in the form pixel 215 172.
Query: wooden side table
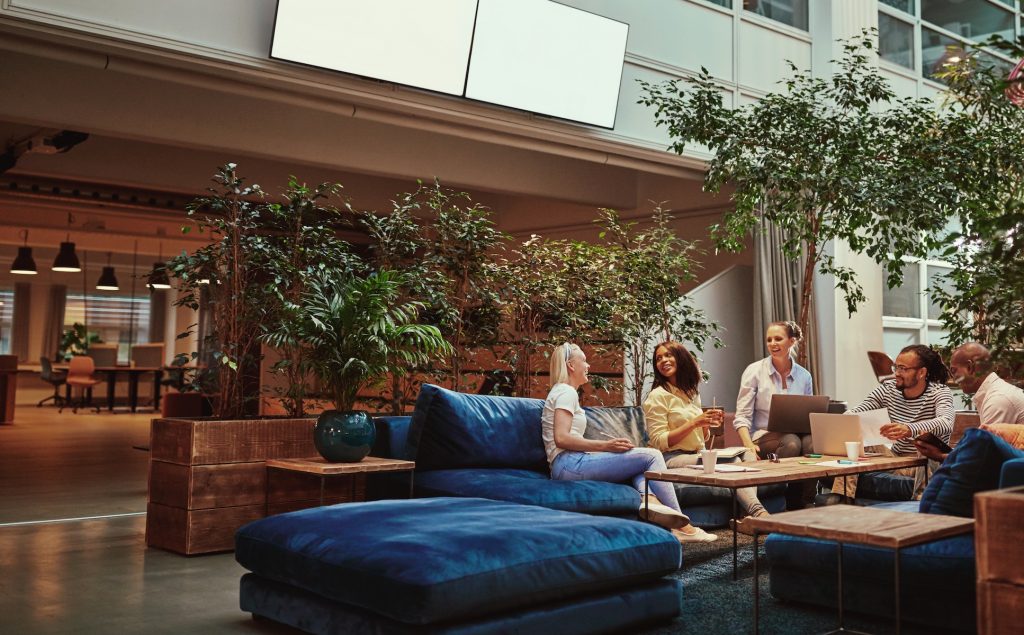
pixel 783 471
pixel 999 551
pixel 850 524
pixel 324 469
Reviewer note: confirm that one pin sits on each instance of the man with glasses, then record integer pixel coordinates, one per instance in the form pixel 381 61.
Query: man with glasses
pixel 918 401
pixel 996 400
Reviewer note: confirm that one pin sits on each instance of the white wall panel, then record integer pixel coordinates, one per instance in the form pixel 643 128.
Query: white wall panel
pixel 238 26
pixel 673 32
pixel 763 53
pixel 902 85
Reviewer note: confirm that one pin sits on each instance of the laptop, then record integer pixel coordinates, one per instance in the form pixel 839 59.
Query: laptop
pixel 789 413
pixel 830 432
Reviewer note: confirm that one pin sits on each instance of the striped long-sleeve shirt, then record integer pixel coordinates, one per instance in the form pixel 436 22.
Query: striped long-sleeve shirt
pixel 932 411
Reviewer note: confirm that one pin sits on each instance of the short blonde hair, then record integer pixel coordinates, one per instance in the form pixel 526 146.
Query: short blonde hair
pixel 559 357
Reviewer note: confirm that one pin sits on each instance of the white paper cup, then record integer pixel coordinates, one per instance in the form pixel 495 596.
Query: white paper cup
pixel 853 450
pixel 709 458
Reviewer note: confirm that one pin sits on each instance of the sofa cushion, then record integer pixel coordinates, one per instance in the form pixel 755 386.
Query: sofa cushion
pixel 1012 433
pixel 531 488
pixel 427 560
pixel 973 466
pixel 452 430
pixel 884 486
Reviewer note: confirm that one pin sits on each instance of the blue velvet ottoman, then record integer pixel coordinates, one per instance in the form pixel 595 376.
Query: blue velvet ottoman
pixel 456 565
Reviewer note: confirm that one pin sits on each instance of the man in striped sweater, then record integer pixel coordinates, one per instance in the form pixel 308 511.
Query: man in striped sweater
pixel 918 401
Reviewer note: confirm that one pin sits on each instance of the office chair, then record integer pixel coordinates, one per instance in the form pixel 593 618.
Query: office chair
pixel 56 378
pixel 80 376
pixel 881 365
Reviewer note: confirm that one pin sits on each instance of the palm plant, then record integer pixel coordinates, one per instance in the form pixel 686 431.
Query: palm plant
pixel 358 330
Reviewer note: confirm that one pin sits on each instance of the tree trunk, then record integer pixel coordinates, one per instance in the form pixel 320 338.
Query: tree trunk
pixel 806 291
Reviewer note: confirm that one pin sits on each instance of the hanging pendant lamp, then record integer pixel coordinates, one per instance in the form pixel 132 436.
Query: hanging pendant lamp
pixel 67 259
pixel 24 263
pixel 158 276
pixel 107 281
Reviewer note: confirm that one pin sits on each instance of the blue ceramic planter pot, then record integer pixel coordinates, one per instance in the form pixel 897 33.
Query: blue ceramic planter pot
pixel 344 437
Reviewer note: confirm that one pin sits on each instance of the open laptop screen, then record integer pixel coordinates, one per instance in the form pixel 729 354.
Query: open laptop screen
pixel 790 413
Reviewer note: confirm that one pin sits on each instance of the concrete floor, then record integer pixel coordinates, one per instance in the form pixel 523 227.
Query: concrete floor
pixel 66 571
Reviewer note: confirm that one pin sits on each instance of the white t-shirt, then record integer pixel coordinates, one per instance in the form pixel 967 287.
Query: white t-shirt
pixel 561 397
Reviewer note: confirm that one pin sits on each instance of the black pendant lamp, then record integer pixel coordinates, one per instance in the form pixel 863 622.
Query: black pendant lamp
pixel 158 276
pixel 24 264
pixel 67 259
pixel 107 281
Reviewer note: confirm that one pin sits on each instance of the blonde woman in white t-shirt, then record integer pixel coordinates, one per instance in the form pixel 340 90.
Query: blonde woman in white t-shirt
pixel 572 457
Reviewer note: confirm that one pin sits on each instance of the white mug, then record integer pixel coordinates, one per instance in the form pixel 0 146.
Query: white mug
pixel 709 458
pixel 853 450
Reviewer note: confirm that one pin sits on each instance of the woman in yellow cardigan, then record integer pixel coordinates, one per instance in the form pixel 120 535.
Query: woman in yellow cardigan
pixel 676 424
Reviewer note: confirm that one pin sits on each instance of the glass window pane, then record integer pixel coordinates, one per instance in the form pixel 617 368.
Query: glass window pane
pixel 937 336
pixel 895 339
pixel 722 3
pixel 938 50
pixel 117 320
pixel 904 300
pixel 895 40
pixel 791 12
pixel 972 19
pixel 903 5
pixel 6 320
pixel 936 280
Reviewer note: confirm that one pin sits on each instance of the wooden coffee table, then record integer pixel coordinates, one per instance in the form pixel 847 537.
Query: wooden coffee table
pixel 323 468
pixel 850 524
pixel 784 471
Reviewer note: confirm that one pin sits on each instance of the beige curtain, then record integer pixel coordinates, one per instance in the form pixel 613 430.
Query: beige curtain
pixel 157 314
pixel 777 284
pixel 54 323
pixel 21 318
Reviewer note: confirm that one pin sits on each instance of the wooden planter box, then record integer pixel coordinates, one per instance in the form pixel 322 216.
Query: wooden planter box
pixel 207 478
pixel 1000 560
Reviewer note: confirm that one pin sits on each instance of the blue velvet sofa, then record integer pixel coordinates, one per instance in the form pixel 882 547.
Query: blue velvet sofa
pixel 490 447
pixel 937 579
pixel 457 566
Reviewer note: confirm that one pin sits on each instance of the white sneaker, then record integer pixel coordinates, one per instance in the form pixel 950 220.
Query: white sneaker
pixel 698 536
pixel 663 516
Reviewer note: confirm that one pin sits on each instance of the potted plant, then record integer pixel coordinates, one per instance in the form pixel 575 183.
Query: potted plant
pixel 75 341
pixel 358 330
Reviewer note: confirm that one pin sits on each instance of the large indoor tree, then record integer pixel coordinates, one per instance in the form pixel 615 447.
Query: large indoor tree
pixel 824 159
pixel 984 136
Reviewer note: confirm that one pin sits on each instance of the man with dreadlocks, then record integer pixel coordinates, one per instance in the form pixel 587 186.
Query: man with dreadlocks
pixel 918 401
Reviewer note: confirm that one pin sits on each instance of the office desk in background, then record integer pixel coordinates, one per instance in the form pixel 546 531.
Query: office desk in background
pixel 133 373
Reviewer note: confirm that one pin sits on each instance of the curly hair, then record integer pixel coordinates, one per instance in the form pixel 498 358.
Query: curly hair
pixel 687 373
pixel 937 371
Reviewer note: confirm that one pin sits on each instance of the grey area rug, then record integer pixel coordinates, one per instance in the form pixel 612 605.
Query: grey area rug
pixel 713 603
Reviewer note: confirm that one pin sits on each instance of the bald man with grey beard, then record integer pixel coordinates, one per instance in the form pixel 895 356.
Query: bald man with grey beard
pixel 996 400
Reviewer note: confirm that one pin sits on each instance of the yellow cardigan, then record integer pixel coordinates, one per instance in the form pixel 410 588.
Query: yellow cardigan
pixel 665 411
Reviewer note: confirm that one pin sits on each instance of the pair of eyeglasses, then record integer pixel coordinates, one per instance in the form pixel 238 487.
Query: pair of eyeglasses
pixel 772 457
pixel 902 369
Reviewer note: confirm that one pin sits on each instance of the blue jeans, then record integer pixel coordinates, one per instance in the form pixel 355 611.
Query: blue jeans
pixel 616 467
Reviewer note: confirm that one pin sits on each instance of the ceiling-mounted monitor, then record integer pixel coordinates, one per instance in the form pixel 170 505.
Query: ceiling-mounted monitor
pixel 534 55
pixel 547 58
pixel 418 43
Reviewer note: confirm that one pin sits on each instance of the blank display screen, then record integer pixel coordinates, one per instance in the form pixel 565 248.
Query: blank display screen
pixel 547 58
pixel 412 42
pixel 533 55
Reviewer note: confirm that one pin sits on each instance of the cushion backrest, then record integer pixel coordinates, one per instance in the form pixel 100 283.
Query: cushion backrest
pixel 622 421
pixel 455 430
pixel 973 466
pixel 103 354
